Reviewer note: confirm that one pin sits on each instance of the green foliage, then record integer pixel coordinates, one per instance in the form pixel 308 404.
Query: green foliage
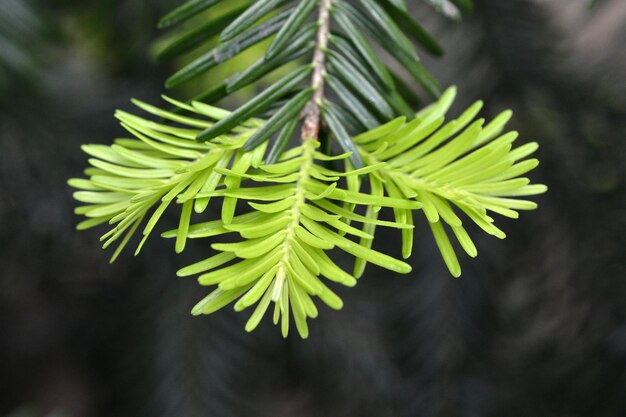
pixel 287 210
pixel 295 222
pixel 355 72
pixel 463 163
pixel 160 164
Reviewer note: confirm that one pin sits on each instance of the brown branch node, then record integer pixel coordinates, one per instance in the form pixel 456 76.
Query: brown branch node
pixel 311 114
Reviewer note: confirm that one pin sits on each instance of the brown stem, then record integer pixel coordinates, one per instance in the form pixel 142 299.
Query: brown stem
pixel 312 114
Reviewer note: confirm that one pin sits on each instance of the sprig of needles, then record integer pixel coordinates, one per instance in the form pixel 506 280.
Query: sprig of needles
pixel 302 170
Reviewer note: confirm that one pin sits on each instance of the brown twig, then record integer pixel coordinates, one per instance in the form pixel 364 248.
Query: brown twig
pixel 312 114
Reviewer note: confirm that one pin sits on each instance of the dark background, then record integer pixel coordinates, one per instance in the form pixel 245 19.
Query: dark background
pixel 536 326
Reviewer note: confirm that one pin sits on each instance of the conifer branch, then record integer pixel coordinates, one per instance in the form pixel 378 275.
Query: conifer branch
pixel 198 154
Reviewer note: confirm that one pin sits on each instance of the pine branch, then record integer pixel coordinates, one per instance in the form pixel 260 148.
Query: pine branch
pixel 301 211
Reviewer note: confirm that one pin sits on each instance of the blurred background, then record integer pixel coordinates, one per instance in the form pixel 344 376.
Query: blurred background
pixel 536 326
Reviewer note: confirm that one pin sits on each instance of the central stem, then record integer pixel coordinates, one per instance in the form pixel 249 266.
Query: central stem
pixel 312 113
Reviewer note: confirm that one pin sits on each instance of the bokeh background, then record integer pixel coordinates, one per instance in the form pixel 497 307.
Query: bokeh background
pixel 536 326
